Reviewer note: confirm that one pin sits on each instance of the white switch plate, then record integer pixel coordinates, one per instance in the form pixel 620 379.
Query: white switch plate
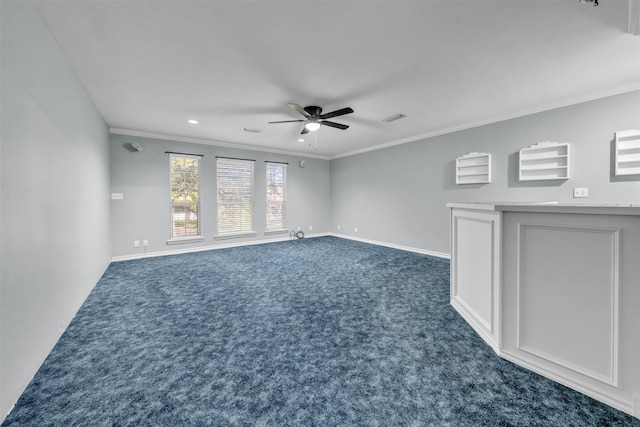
pixel 136 243
pixel 580 192
pixel 117 196
pixel 145 243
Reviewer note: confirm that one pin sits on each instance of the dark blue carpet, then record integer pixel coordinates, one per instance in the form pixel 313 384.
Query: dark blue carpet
pixel 322 332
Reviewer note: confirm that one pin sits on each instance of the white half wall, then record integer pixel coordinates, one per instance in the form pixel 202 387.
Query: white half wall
pixel 54 218
pixel 475 271
pixel 569 300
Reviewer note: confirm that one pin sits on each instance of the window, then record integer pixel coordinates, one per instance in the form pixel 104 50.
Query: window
pixel 276 197
pixel 235 197
pixel 185 196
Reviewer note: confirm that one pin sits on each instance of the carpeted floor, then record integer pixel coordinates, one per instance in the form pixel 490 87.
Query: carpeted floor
pixel 315 332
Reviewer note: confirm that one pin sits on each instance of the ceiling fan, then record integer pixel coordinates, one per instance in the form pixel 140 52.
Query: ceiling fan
pixel 314 118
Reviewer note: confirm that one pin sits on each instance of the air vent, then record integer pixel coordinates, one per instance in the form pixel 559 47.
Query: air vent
pixel 252 130
pixel 394 118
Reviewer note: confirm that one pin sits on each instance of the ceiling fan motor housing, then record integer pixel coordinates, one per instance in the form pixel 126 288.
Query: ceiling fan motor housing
pixel 313 110
pixel 314 117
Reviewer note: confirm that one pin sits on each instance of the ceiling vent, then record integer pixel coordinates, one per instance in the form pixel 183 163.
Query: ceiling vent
pixel 394 118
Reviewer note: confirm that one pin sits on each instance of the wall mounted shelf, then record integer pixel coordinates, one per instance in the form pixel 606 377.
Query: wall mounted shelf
pixel 473 168
pixel 627 161
pixel 544 161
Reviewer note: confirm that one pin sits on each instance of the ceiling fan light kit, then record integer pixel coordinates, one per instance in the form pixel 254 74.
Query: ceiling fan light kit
pixel 313 118
pixel 312 126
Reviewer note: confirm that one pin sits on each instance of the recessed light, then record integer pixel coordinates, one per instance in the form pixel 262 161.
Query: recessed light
pixel 394 118
pixel 300 139
pixel 252 130
pixel 193 121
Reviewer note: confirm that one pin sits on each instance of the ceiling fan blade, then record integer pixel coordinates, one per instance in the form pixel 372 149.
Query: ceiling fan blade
pixel 304 130
pixel 340 112
pixel 299 109
pixel 334 124
pixel 287 121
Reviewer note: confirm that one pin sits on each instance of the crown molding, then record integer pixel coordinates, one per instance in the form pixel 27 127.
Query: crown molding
pixel 202 141
pixel 527 112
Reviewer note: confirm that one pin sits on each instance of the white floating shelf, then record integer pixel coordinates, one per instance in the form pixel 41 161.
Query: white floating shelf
pixel 627 160
pixel 473 168
pixel 544 161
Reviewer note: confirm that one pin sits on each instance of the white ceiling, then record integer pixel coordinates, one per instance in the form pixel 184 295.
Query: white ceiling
pixel 150 66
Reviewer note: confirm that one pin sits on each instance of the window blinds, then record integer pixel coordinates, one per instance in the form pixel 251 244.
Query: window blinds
pixel 276 196
pixel 235 195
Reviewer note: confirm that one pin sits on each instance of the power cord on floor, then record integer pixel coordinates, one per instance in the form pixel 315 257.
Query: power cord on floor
pixel 296 234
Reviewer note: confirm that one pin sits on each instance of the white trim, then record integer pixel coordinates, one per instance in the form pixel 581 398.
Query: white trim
pixel 612 377
pixel 272 240
pixel 476 323
pixel 539 109
pixel 393 246
pixel 234 235
pixel 523 113
pixel 202 248
pixel 282 231
pixel 490 330
pixel 167 137
pixel 182 240
pixel 622 405
pixel 488 324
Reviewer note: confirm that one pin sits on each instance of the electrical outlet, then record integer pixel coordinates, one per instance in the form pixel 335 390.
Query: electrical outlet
pixel 355 229
pixel 310 227
pixel 145 243
pixel 136 243
pixel 338 227
pixel 299 228
pixel 580 192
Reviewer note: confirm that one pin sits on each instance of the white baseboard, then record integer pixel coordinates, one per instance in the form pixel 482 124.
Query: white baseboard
pixel 393 245
pixel 208 248
pixel 602 396
pixel 462 309
pixel 272 240
pixel 636 405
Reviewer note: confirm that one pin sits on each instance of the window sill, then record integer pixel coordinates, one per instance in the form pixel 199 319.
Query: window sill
pixel 283 231
pixel 180 241
pixel 234 235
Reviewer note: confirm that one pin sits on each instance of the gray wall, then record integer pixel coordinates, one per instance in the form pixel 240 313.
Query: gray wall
pixel 144 213
pixel 398 195
pixel 54 186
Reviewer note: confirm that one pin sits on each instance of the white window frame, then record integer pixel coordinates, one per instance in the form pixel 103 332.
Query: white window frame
pixel 273 190
pixel 224 183
pixel 183 239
